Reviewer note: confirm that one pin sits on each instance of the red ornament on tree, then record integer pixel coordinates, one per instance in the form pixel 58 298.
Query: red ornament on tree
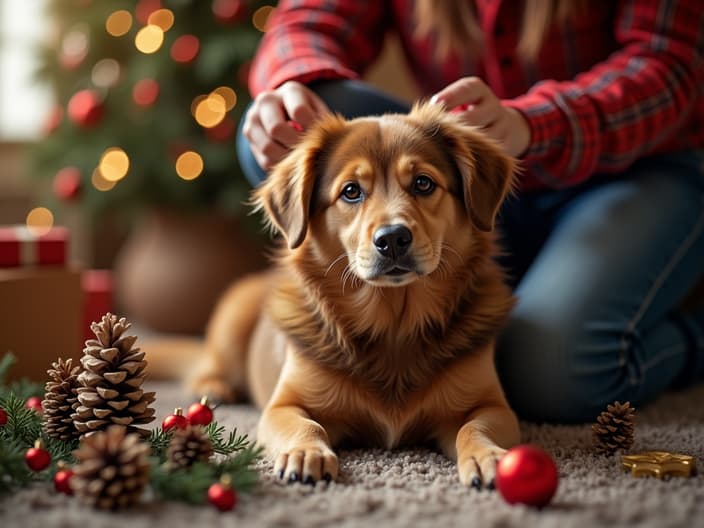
pixel 200 413
pixel 145 92
pixel 222 496
pixel 145 8
pixel 229 11
pixel 222 132
pixel 67 183
pixel 176 420
pixel 528 475
pixel 34 403
pixel 3 416
pixel 37 458
pixel 62 480
pixel 85 108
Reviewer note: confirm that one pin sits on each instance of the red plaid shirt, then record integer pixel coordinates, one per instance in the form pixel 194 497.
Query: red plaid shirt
pixel 625 80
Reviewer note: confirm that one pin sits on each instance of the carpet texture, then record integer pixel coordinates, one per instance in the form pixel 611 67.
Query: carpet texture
pixel 420 488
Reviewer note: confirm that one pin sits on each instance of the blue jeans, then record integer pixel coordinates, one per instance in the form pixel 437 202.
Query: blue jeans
pixel 599 271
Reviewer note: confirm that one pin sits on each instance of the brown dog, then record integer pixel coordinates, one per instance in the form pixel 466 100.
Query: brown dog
pixel 377 324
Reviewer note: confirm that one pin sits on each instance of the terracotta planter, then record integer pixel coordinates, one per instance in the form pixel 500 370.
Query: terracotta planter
pixel 174 266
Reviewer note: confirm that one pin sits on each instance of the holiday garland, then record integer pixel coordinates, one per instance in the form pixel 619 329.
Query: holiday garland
pixel 109 467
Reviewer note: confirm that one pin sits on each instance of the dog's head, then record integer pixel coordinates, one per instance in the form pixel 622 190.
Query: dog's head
pixel 389 196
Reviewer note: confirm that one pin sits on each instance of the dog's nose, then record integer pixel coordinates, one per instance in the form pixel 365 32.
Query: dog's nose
pixel 393 240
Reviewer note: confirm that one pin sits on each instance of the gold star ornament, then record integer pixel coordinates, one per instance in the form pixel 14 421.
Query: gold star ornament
pixel 659 464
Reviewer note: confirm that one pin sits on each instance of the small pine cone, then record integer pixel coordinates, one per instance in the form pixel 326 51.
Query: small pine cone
pixel 112 469
pixel 188 446
pixel 60 400
pixel 110 384
pixel 613 430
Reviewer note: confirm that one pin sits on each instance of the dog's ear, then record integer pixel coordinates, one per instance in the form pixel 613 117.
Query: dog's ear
pixel 486 172
pixel 286 194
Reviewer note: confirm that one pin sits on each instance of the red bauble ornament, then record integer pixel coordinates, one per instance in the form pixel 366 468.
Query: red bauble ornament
pixel 185 48
pixel 528 475
pixel 145 92
pixel 145 8
pixel 176 420
pixel 53 121
pixel 222 132
pixel 85 108
pixel 229 11
pixel 222 496
pixel 62 481
pixel 67 183
pixel 34 403
pixel 200 413
pixel 3 416
pixel 37 458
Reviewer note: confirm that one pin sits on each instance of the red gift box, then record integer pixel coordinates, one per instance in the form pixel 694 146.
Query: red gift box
pixel 97 298
pixel 21 246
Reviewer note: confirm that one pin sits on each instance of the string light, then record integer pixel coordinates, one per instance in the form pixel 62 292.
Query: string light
pixel 99 182
pixel 261 17
pixel 114 164
pixel 164 18
pixel 105 73
pixel 185 48
pixel 40 221
pixel 119 23
pixel 149 39
pixel 211 110
pixel 189 165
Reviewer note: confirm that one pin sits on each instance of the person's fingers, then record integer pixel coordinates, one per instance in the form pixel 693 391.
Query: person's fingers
pixel 468 90
pixel 482 115
pixel 301 105
pixel 266 151
pixel 275 122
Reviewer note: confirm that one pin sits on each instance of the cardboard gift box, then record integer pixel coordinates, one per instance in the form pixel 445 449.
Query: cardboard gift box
pixel 97 298
pixel 22 246
pixel 40 318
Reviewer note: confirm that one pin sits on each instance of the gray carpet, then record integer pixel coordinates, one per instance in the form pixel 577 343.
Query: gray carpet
pixel 420 488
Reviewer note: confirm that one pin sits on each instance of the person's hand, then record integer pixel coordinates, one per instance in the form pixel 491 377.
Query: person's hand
pixel 477 105
pixel 277 118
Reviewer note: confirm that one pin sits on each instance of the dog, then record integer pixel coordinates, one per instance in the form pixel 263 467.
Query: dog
pixel 376 324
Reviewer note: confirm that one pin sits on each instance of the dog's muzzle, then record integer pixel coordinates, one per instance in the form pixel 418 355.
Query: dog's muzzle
pixel 392 243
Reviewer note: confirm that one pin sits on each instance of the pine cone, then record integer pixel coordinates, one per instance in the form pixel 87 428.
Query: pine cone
pixel 112 469
pixel 60 400
pixel 109 391
pixel 613 430
pixel 188 446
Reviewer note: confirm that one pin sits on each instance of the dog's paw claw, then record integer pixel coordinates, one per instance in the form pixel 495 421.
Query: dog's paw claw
pixel 476 483
pixel 307 464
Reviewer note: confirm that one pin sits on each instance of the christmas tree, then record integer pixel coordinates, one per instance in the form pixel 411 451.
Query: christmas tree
pixel 148 97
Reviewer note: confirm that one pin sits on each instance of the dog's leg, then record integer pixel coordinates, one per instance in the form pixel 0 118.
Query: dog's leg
pixel 480 442
pixel 299 446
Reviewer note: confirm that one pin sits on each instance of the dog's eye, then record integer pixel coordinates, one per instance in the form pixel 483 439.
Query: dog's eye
pixel 352 193
pixel 423 185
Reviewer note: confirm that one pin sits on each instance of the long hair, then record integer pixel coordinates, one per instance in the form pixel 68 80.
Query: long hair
pixel 455 27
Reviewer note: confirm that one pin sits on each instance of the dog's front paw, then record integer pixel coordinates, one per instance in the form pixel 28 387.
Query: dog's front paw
pixel 478 469
pixel 307 465
pixel 215 388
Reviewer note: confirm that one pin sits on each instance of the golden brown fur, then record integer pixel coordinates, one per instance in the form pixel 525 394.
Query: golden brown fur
pixel 338 342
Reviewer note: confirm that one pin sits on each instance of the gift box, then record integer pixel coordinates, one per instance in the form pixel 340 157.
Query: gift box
pixel 22 246
pixel 97 298
pixel 40 318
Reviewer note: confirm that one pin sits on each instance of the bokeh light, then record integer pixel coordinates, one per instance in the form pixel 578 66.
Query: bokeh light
pixel 229 96
pixel 210 110
pixel 164 18
pixel 119 23
pixel 105 73
pixel 99 182
pixel 185 48
pixel 40 221
pixel 189 165
pixel 149 39
pixel 145 92
pixel 74 48
pixel 114 164
pixel 261 17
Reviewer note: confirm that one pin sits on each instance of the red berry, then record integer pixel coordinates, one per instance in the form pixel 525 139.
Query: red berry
pixel 222 496
pixel 34 403
pixel 177 420
pixel 37 458
pixel 62 481
pixel 528 475
pixel 200 413
pixel 3 416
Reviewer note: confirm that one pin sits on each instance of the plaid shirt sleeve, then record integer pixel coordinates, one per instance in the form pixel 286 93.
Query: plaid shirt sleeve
pixel 624 107
pixel 318 39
